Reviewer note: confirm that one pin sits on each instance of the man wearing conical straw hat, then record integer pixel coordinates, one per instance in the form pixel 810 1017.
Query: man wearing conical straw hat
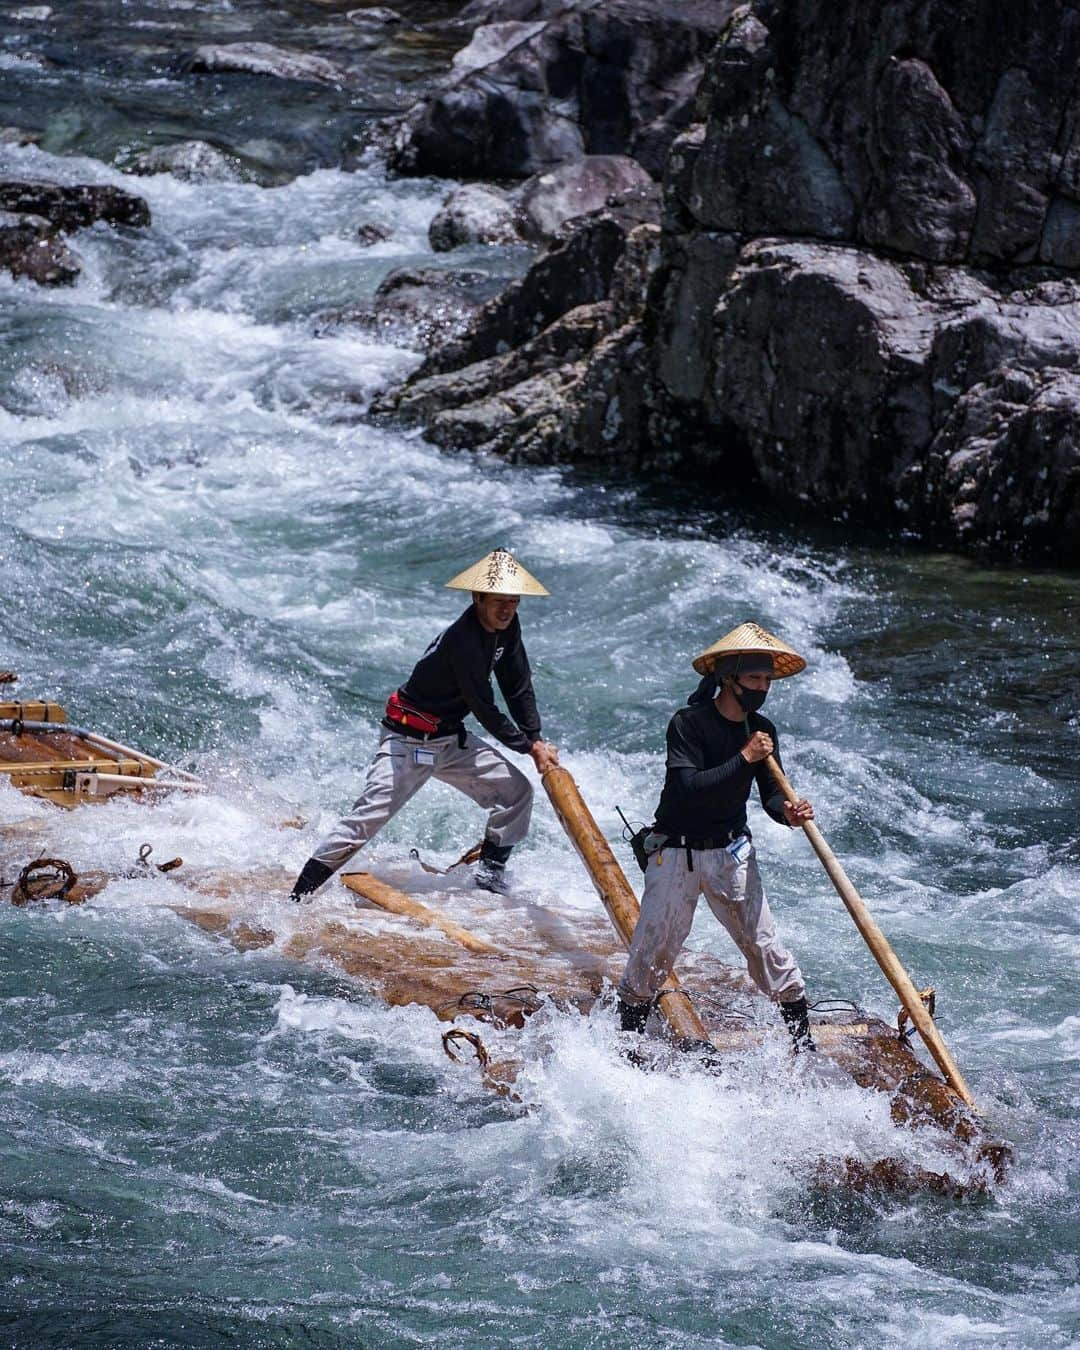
pixel 700 843
pixel 424 734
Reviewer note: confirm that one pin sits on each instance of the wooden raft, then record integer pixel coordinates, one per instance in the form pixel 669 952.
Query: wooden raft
pixel 408 953
pixel 72 767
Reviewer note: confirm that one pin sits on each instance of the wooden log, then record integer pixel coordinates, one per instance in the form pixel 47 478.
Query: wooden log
pixel 615 891
pixel 397 902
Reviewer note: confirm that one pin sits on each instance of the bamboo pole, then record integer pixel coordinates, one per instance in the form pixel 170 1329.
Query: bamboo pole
pixel 879 946
pixel 397 902
pixel 105 744
pixel 136 783
pixel 614 889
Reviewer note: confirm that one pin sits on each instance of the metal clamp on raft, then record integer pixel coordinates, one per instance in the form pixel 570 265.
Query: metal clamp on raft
pixel 928 998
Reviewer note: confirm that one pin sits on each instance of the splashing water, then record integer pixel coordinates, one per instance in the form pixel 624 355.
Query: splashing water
pixel 210 553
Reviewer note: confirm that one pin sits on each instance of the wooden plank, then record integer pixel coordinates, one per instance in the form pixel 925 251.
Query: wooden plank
pixel 397 902
pixel 33 711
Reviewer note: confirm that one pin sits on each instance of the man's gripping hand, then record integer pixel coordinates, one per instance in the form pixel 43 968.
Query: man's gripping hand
pixel 798 813
pixel 758 747
pixel 544 756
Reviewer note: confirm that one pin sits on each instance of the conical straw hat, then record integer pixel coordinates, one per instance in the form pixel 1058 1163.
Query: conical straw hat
pixel 752 638
pixel 499 573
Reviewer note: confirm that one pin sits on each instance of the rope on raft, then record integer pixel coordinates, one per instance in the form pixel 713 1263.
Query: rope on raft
pixel 480 1003
pixel 43 879
pixel 470 855
pixel 460 1034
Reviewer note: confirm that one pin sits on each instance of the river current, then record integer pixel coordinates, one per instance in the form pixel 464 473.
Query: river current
pixel 210 553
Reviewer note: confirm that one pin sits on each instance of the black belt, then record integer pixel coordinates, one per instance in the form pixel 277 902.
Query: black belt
pixel 700 844
pixel 415 735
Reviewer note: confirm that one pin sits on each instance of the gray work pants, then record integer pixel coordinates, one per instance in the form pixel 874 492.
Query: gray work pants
pixel 735 896
pixel 403 764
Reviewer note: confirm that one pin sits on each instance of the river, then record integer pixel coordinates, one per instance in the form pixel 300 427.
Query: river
pixel 209 552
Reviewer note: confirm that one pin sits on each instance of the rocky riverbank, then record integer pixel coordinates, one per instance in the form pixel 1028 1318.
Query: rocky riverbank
pixel 824 253
pixel 857 289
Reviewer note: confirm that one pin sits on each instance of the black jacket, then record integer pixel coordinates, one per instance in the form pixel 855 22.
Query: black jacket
pixel 453 679
pixel 708 782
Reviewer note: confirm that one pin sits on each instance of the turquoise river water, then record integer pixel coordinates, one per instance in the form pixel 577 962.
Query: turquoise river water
pixel 207 551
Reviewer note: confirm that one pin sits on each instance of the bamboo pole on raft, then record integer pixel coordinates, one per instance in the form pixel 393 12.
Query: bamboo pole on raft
pixel 397 902
pixel 879 945
pixel 614 889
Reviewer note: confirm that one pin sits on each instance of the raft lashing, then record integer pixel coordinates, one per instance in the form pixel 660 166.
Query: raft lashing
pixel 43 755
pixel 408 952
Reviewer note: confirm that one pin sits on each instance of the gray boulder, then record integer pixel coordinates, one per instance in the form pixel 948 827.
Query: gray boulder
pixel 371 232
pixel 1003 472
pixel 889 391
pixel 573 383
pixel 75 207
pixel 569 339
pixel 262 58
pixel 190 161
pixel 549 199
pixel 29 248
pixel 20 136
pixel 377 16
pixel 474 214
pixel 418 307
pixel 490 42
pixel 528 94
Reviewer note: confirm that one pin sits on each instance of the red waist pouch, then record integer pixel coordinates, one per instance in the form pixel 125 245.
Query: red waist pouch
pixel 405 715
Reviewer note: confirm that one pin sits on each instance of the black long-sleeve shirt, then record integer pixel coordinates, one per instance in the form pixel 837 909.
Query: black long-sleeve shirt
pixel 453 679
pixel 708 782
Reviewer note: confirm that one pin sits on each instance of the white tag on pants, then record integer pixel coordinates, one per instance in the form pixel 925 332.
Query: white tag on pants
pixel 739 849
pixel 422 756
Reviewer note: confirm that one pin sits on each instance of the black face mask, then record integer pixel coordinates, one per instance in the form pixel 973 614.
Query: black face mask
pixel 749 700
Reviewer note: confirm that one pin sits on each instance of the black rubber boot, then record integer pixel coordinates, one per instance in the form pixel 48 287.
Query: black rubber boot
pixel 633 1016
pixel 491 869
pixel 797 1019
pixel 311 877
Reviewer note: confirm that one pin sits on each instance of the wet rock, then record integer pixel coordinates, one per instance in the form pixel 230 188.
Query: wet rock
pixel 865 307
pixel 528 94
pixel 819 363
pixel 74 208
pixel 491 42
pixel 474 214
pixel 29 248
pixel 567 340
pixel 1003 473
pixel 190 161
pixel 950 144
pixel 545 396
pixel 890 391
pixel 262 58
pixel 376 16
pixel 20 136
pixel 549 199
pixel 578 271
pixel 372 233
pixel 418 307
